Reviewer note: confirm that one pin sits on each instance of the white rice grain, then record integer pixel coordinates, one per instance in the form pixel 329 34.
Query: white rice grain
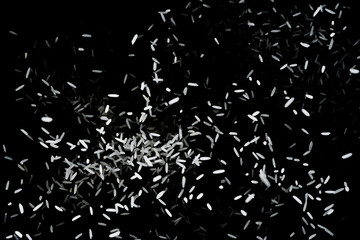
pixel 58 208
pixel 326 230
pixel 19 234
pixel 312 236
pixel 325 133
pixel 38 206
pixel 200 176
pixel 305 112
pixel 113 95
pixel 71 84
pixel 305 45
pixel 157 178
pixel 21 208
pixel 133 40
pixel 237 197
pixel 231 236
pixel 323 68
pixel 289 102
pixel 219 171
pixel 168 212
pixel 20 87
pixel 354 71
pixel 160 194
pixel 75 218
pixel 199 196
pixel 90 234
pixel 46 119
pixel 263 178
pixel 346 155
pixel 191 84
pixel 174 100
pixel 78 236
pixel 246 224
pixel 243 212
pixel 297 199
pixel 114 234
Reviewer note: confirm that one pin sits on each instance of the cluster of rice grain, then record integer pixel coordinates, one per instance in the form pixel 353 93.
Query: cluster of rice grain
pixel 210 130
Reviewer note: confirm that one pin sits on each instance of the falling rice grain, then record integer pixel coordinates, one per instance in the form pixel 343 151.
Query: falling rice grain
pixel 219 171
pixel 346 155
pixel 168 212
pixel 305 112
pixel 289 102
pixel 297 199
pixel 174 100
pixel 46 119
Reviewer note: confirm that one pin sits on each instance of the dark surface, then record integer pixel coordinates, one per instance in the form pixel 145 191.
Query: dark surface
pixel 113 28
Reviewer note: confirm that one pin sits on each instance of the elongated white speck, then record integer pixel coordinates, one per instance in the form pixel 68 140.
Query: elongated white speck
pixel 24 132
pixel 317 11
pixel 199 196
pixel 21 208
pixel 346 155
pixel 27 73
pixel 19 234
pixel 78 236
pixel 323 69
pixel 260 58
pixel 325 229
pixel 305 112
pixel 200 176
pixel 133 40
pixel 306 64
pixel 264 179
pixel 75 218
pixel 237 197
pixel 209 206
pixel 219 171
pixel 289 102
pixel 46 119
pixel 354 71
pixel 191 84
pixel 114 234
pixel 157 178
pixel 168 212
pixel 160 194
pixel 312 236
pixel 19 88
pixel 305 45
pixel 38 206
pixel 174 100
pixel 58 208
pixel 297 199
pixel 113 95
pixel 243 212
pixel 71 84
pixel 90 234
